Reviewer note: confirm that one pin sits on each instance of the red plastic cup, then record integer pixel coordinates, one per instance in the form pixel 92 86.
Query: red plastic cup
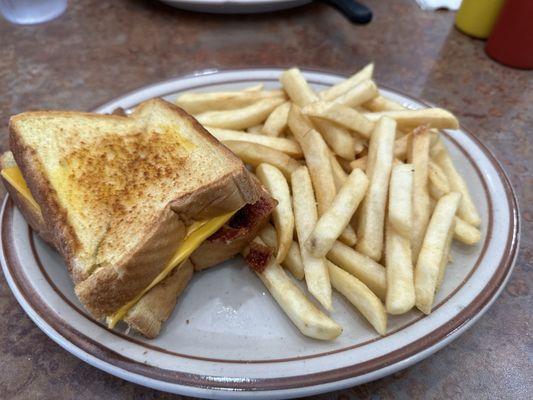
pixel 511 40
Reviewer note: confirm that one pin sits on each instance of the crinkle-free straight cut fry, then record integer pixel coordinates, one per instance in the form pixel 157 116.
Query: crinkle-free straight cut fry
pixel 372 212
pixel 255 154
pixel 276 122
pixel 277 185
pixel 331 224
pixel 293 259
pixel 287 146
pixel 409 119
pixel 398 256
pixel 317 157
pixel 308 319
pixel 306 216
pixel 302 94
pixel 419 158
pixel 467 208
pixel 433 255
pixel 361 297
pixel 240 118
pixel 342 87
pixel 196 103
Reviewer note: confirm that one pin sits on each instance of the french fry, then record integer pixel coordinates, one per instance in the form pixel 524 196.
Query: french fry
pixel 362 267
pixel 338 138
pixel 276 122
pixel 359 94
pixel 438 181
pixel 290 147
pixel 467 209
pixel 396 162
pixel 342 87
pixel 399 268
pixel 240 118
pixel 436 148
pixel 308 319
pixel 316 154
pixel 348 236
pixel 293 260
pixel 339 176
pixel 438 187
pixel 197 103
pixel 381 103
pixel 337 217
pixel 345 164
pixel 255 154
pixel 274 181
pixel 305 215
pixel 400 199
pixel 361 297
pixel 408 119
pixel 297 87
pixel 400 151
pixel 301 94
pixel 433 250
pixel 317 157
pixel 359 144
pixel 372 211
pixel 398 259
pixel 446 256
pixel 255 129
pixel 341 115
pixel 466 233
pixel 359 163
pixel 254 88
pixel 401 145
pixel 299 124
pixel 419 158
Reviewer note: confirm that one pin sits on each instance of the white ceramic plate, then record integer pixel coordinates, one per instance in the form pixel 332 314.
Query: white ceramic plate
pixel 235 6
pixel 227 338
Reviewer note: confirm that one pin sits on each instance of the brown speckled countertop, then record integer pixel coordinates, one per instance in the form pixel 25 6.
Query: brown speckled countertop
pixel 99 50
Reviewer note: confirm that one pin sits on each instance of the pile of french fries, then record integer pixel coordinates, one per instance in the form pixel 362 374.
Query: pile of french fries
pixel 369 199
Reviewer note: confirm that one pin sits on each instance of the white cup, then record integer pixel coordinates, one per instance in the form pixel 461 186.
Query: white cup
pixel 31 11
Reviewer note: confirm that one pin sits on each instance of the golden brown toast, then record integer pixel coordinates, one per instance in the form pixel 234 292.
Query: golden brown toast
pixel 155 307
pixel 118 192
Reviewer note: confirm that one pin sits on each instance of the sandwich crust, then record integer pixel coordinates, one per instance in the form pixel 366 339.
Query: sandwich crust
pixel 155 307
pixel 60 232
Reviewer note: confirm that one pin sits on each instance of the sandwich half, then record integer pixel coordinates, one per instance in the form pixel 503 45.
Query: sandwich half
pixel 133 204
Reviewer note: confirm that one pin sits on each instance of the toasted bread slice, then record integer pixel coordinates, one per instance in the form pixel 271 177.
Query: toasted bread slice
pixel 155 307
pixel 117 193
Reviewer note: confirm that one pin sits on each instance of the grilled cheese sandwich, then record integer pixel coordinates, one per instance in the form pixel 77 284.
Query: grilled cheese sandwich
pixel 142 192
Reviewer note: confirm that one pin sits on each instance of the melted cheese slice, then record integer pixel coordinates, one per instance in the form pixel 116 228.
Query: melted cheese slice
pixel 15 179
pixel 197 233
pixel 191 243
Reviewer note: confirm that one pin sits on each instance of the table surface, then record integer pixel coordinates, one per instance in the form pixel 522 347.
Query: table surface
pixel 98 50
